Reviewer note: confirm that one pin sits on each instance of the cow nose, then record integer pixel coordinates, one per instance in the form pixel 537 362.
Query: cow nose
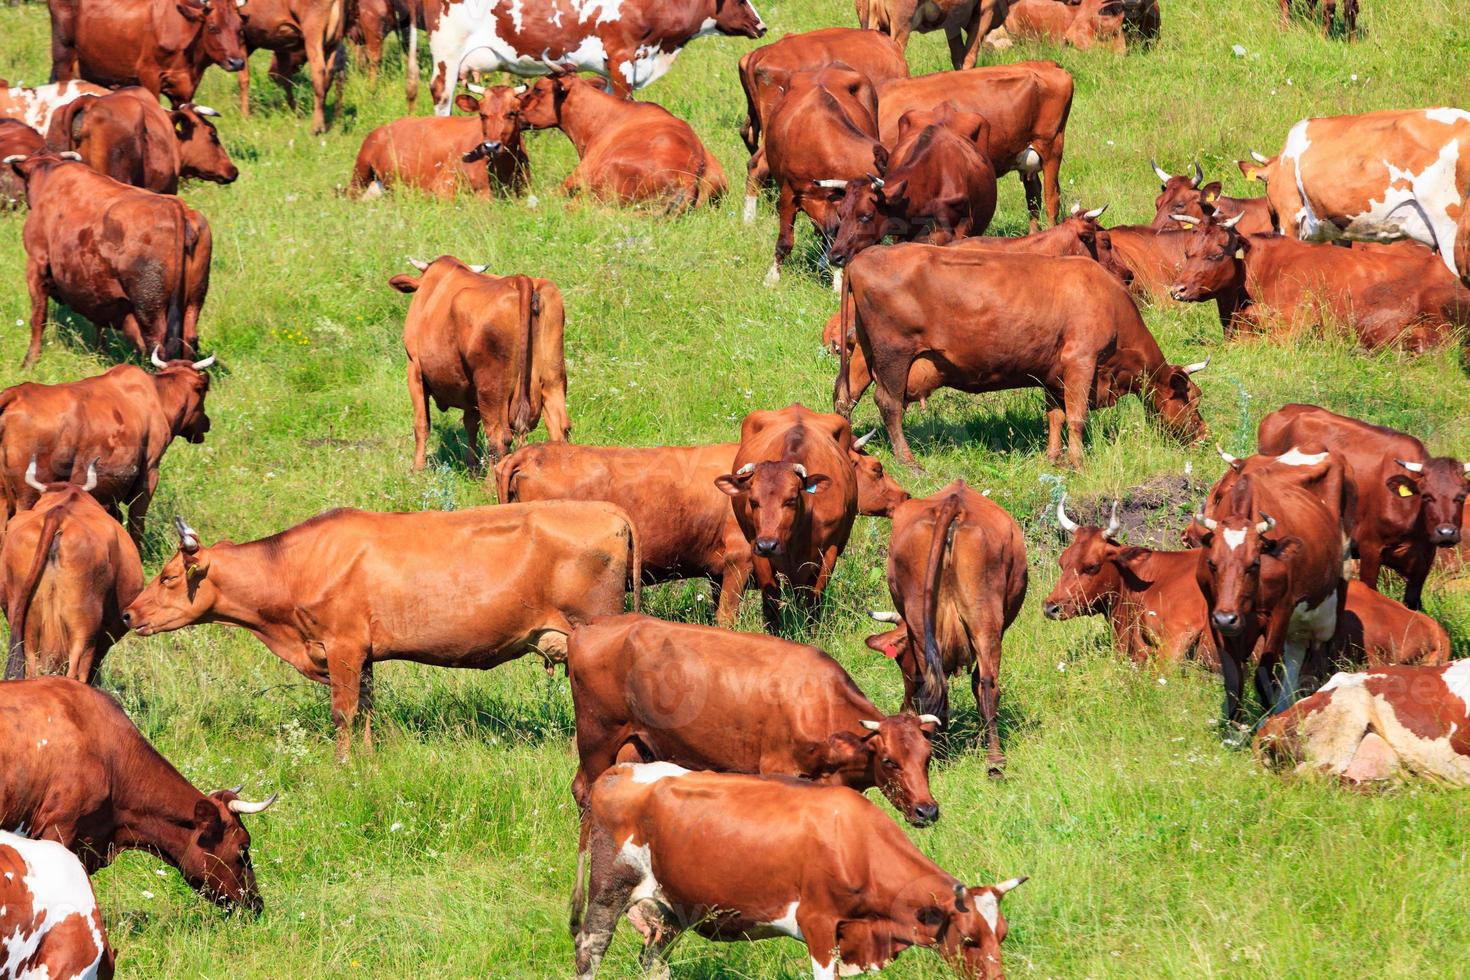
pixel 766 546
pixel 1051 610
pixel 926 813
pixel 1446 535
pixel 1228 622
pixel 235 64
pixel 1177 292
pixel 127 618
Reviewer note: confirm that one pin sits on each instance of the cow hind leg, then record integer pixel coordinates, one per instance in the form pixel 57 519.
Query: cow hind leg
pixel 345 666
pixel 786 236
pixel 659 930
pixel 610 887
pixel 892 376
pixel 985 683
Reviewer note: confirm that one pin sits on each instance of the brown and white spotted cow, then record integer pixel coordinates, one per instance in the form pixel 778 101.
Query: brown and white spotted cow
pixel 50 925
pixel 34 105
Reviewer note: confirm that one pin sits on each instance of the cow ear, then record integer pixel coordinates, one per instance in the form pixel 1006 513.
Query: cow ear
pixel 893 190
pixel 1401 486
pixel 732 485
pixel 191 13
pixel 468 103
pixel 404 284
pixel 889 644
pixel 880 157
pixel 206 818
pixel 1132 554
pixel 195 567
pixel 931 916
pixel 182 124
pixel 1210 193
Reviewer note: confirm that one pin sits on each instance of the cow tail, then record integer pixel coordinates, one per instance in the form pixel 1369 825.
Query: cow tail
pixel 522 417
pixel 15 666
pixel 933 691
pixel 579 888
pixel 173 340
pixel 411 80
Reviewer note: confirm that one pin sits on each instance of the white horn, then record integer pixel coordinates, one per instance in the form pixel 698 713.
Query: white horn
pixel 70 155
pixel 31 480
pixel 418 264
pixel 1199 175
pixel 1163 174
pixel 1204 521
pixel 1068 525
pixel 245 806
pixel 188 537
pixel 205 110
pixel 746 470
pixel 1229 459
pixel 877 183
pixel 1467 467
pixel 201 365
pixel 521 89
pixel 1011 883
pixel 860 443
pixel 1232 222
pixel 1184 219
pixel 1417 467
pixel 91 483
pixel 1076 208
pixel 871 726
pixel 831 184
pixel 884 616
pixel 1095 213
pixel 1258 158
pixel 158 362
pixel 477 269
pixel 14 158
pixel 1197 366
pixel 477 89
pixel 1113 524
pixel 799 470
pixel 1266 524
pixel 930 720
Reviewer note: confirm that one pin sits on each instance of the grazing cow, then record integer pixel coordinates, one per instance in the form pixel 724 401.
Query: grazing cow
pixel 1083 24
pixel 162 45
pixel 297 31
pixel 1026 104
pixel 375 18
pixel 488 345
pixel 794 496
pixel 820 135
pixel 650 691
pixel 67 571
pixel 1410 503
pixel 78 772
pixel 964 22
pixel 122 420
pixel 1152 259
pixel 1329 9
pixel 937 186
pixel 1150 598
pixel 631 44
pixel 920 325
pixel 34 106
pixel 444 156
pixel 628 152
pixel 1188 196
pixel 686 527
pixel 16 140
pixel 128 136
pixel 1385 723
pixel 1387 295
pixel 123 257
pixel 957 575
pixel 752 857
pixel 348 589
pixel 49 918
pixel 1378 176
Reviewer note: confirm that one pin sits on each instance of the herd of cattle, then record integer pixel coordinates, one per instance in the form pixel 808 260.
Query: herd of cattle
pixel 1364 226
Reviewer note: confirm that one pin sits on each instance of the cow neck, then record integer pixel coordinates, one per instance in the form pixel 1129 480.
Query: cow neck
pixel 1235 299
pixel 174 390
pixel 159 816
pixel 248 581
pixel 580 113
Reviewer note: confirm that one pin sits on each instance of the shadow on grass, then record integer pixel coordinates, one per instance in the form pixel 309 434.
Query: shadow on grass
pixel 443 713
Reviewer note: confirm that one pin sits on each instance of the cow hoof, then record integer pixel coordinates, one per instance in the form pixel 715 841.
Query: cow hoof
pixel 996 771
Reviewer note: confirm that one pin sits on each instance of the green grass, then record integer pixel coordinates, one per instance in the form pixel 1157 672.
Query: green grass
pixel 1153 850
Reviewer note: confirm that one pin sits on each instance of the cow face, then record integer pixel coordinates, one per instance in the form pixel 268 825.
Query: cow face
pixel 774 494
pixel 222 33
pixel 899 750
pixel 192 422
pixel 1214 259
pixel 971 929
pixel 878 493
pixel 216 861
pixel 1184 196
pixel 1090 575
pixel 738 18
pixel 1438 486
pixel 1175 397
pixel 201 155
pixel 862 217
pixel 181 595
pixel 540 104
pixel 499 109
pixel 1235 547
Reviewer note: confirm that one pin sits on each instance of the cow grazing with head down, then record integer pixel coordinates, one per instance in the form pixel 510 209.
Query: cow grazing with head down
pixel 34 105
pixel 1410 502
pixel 628 152
pixel 123 257
pixel 78 772
pixel 957 575
pixel 67 571
pixel 162 45
pixel 632 43
pixel 16 140
pixel 297 31
pixel 1188 196
pixel 348 588
pixel 1082 24
pixel 964 22
pixel 488 345
pixel 49 916
pixel 920 325
pixel 121 422
pixel 650 691
pixel 752 857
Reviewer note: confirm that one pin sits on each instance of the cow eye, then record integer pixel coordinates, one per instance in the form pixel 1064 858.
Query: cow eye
pixel 1211 563
pixel 1091 569
pixel 1255 565
pixel 170 579
pixel 865 218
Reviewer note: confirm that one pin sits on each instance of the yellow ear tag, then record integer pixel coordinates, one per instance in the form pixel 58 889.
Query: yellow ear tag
pixel 1405 491
pixel 1240 253
pixel 1187 225
pixel 1250 173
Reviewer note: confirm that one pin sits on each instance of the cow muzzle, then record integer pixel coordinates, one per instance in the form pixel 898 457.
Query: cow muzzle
pixel 1226 622
pixel 766 547
pixel 235 64
pixel 925 814
pixel 1052 610
pixel 1445 536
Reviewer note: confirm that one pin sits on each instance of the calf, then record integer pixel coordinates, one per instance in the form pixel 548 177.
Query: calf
pixel 937 186
pixel 79 773
pixel 650 691
pixel 123 421
pixel 297 31
pixel 1083 25
pixel 628 152
pixel 16 140
pixel 1410 503
pixel 123 257
pixel 794 497
pixel 67 571
pixel 348 588
pixel 748 857
pixel 1397 295
pixel 1187 196
pixel 49 914
pixel 957 575
pixel 34 106
pixel 489 345
pixel 964 22
pixel 920 324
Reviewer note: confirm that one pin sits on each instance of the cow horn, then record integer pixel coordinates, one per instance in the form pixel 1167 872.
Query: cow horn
pixel 959 898
pixel 1076 208
pixel 746 470
pixel 1229 459
pixel 188 537
pixel 520 89
pixel 14 158
pixel 477 269
pixel 1184 219
pixel 1095 213
pixel 871 726
pixel 205 110
pixel 1068 525
pixel 70 155
pixel 1205 522
pixel 1197 366
pixel 1416 467
pixel 1467 467
pixel 245 806
pixel 1163 174
pixel 236 789
pixel 1199 175
pixel 930 720
pixel 863 441
pixel 799 470
pixel 831 184
pixel 883 616
pixel 31 480
pixel 1011 883
pixel 158 362
pixel 877 182
pixel 1266 524
pixel 476 89
pixel 201 365
pixel 418 264
pixel 1114 525
pixel 1258 158
pixel 91 483
pixel 1232 222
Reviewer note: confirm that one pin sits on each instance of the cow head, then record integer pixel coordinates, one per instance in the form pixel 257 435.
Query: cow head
pixel 878 493
pixel 448 263
pixel 893 754
pixel 540 103
pixel 774 493
pixel 1175 397
pixel 221 31
pixel 201 155
pixel 27 166
pixel 968 927
pixel 738 18
pixel 1214 258
pixel 863 215
pixel 1091 578
pixel 183 385
pixel 1438 487
pixel 499 109
pixel 216 858
pixel 1235 546
pixel 183 593
pixel 1184 194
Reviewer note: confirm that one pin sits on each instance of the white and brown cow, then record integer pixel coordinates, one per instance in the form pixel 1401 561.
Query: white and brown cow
pixel 1381 724
pixel 1379 176
pixel 630 42
pixel 50 925
pixel 34 106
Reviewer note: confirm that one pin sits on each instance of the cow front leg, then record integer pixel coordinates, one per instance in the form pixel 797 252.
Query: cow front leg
pixel 1232 673
pixel 472 439
pixel 244 79
pixel 418 396
pixel 316 60
pixel 1420 563
pixel 138 507
pixel 786 236
pixel 345 666
pixel 36 283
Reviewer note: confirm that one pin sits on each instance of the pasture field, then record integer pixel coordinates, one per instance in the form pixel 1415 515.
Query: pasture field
pixel 1153 849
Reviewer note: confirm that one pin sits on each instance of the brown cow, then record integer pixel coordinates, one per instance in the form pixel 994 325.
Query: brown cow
pixel 1026 104
pixel 348 589
pixel 1084 24
pixel 123 420
pixel 957 575
pixel 1388 295
pixel 68 572
pixel 1189 197
pixel 375 18
pixel 920 325
pixel 650 691
pixel 49 914
pixel 936 187
pixel 33 105
pixel 124 258
pixel 1329 9
pixel 1410 503
pixel 748 857
pixel 488 345
pixel 78 772
pixel 128 136
pixel 628 152
pixel 964 22
pixel 16 140
pixel 794 496
pixel 297 31
pixel 162 45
